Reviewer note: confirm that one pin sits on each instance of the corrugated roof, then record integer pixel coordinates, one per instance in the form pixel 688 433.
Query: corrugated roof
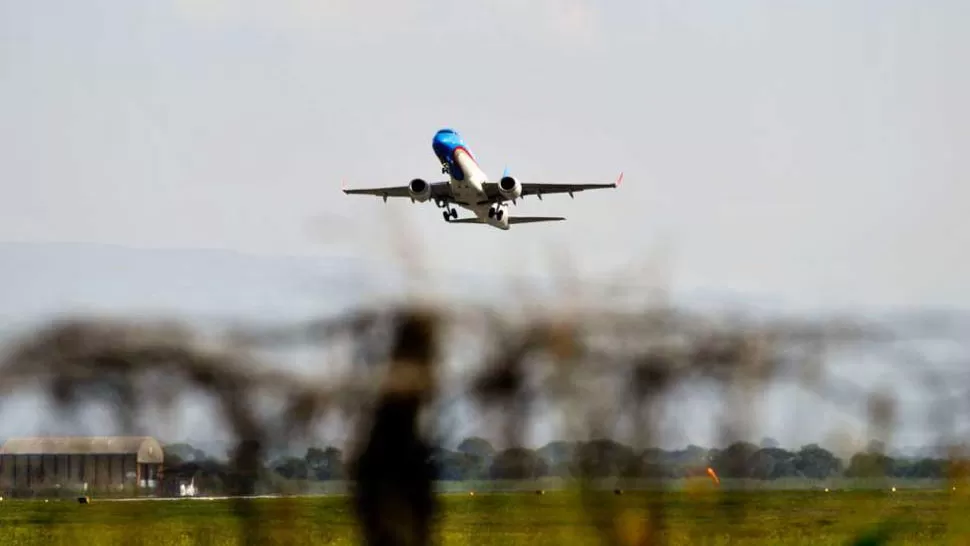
pixel 147 448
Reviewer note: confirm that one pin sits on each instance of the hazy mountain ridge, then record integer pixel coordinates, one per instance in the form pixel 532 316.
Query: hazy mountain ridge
pixel 38 280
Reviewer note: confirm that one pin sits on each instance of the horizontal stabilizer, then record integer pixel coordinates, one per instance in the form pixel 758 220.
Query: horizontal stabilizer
pixel 512 220
pixel 532 219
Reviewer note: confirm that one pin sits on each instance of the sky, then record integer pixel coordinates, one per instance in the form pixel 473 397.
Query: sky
pixel 802 153
pixel 807 152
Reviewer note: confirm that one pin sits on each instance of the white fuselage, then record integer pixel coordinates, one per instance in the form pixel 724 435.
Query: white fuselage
pixel 469 193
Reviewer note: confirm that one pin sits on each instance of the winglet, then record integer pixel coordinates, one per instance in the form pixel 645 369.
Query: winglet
pixel 618 181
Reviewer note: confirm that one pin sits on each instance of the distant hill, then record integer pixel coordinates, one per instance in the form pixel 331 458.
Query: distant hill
pixel 39 280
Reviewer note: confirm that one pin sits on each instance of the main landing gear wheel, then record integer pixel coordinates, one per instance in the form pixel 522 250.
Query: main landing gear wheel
pixel 450 215
pixel 454 214
pixel 499 215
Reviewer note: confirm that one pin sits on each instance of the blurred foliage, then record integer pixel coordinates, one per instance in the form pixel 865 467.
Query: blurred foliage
pixel 390 373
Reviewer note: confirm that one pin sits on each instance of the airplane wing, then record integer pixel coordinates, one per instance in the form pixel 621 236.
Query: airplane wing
pixel 439 190
pixel 540 189
pixel 512 220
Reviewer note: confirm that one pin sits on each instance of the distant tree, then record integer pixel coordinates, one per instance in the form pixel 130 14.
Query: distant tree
pixel 768 442
pixel 324 464
pixel 813 461
pixel 479 447
pixel 696 453
pixel 770 463
pixel 457 466
pixel 734 461
pixel 602 458
pixel 316 463
pixel 869 465
pixel 693 455
pixel 291 468
pixel 655 463
pixel 657 455
pixel 557 452
pixel 919 468
pixel 182 452
pixel 688 462
pixel 517 463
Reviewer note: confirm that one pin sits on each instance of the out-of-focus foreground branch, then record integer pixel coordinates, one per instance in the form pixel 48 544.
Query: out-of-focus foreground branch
pixel 386 370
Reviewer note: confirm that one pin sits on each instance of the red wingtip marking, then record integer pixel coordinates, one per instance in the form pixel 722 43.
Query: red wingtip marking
pixel 619 180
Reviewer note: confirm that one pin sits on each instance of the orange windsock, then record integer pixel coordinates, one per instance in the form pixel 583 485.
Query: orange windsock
pixel 713 475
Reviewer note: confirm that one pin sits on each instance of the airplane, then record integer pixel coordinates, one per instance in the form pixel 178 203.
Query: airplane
pixel 468 187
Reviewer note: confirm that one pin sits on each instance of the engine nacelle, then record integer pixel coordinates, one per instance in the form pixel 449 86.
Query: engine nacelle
pixel 420 190
pixel 509 187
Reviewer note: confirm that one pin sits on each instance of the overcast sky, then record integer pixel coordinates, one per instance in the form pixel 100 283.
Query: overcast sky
pixel 807 152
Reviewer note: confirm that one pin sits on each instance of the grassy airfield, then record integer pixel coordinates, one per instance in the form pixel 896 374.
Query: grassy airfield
pixel 560 518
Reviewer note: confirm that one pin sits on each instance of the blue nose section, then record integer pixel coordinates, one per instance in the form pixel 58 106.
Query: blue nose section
pixel 444 144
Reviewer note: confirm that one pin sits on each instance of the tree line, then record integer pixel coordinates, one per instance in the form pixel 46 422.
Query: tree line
pixel 476 459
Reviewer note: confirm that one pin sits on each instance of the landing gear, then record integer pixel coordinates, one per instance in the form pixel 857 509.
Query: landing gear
pixel 450 214
pixel 496 211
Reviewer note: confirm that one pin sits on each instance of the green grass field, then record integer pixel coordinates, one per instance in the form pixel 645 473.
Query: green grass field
pixel 561 518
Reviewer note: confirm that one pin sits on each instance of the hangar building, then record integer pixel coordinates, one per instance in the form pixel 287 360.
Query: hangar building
pixel 83 463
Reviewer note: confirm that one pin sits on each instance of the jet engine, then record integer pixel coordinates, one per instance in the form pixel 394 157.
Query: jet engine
pixel 509 187
pixel 420 190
